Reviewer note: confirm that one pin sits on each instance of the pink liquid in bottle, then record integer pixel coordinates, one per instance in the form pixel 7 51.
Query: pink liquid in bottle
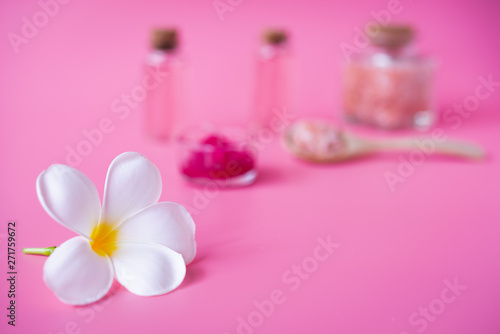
pixel 163 83
pixel 273 82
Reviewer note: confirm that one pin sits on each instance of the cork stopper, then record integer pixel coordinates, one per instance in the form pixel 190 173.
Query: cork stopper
pixel 275 36
pixel 393 36
pixel 164 39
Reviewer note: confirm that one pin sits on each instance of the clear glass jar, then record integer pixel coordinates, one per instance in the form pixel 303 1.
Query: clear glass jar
pixel 388 84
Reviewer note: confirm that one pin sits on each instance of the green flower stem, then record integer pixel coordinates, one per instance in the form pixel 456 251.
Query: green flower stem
pixel 39 251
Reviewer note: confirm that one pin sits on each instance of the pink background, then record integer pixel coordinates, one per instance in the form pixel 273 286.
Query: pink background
pixel 397 248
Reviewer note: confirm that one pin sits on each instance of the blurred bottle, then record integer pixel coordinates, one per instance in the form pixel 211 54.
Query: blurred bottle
pixel 273 77
pixel 389 85
pixel 164 70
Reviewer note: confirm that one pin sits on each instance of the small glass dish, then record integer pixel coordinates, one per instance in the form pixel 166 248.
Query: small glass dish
pixel 224 155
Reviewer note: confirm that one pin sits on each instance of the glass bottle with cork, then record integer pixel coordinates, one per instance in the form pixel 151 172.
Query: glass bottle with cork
pixel 389 84
pixel 273 77
pixel 164 91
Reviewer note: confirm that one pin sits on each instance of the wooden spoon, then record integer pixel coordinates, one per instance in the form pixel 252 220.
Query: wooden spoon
pixel 347 146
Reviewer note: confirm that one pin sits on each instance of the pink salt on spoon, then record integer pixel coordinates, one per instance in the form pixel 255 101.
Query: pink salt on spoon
pixel 323 142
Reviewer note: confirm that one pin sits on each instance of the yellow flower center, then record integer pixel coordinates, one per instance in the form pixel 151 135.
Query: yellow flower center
pixel 103 239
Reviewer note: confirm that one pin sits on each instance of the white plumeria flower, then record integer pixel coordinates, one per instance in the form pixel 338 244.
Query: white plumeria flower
pixel 144 244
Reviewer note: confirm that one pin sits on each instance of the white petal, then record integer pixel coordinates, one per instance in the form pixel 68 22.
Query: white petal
pixel 164 223
pixel 133 183
pixel 148 269
pixel 77 274
pixel 69 197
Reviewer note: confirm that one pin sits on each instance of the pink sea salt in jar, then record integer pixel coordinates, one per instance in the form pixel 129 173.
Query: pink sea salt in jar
pixel 224 156
pixel 388 84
